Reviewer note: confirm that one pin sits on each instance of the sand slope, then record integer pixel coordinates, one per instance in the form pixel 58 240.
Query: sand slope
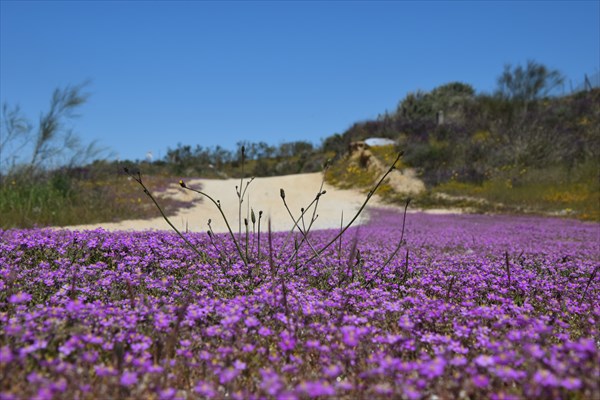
pixel 262 194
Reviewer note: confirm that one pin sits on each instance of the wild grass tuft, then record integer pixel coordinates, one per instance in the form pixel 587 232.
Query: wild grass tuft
pixel 72 197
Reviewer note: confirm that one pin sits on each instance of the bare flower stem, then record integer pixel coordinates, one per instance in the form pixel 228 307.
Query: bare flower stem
pixel 400 243
pixel 218 205
pixel 362 207
pixel 592 276
pixel 314 202
pixel 304 235
pixel 138 178
pixel 507 267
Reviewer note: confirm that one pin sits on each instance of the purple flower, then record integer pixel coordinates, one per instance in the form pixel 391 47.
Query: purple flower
pixel 411 392
pixel 480 381
pixel 103 370
pixel 239 365
pixel 571 383
pixel 406 323
pixel 458 361
pixel 139 347
pixel 162 321
pixel 286 396
pixel 316 388
pixel 43 394
pixel 264 331
pixel 383 388
pixel 535 350
pixel 60 385
pixel 507 373
pixel 196 313
pixel 350 335
pixel 585 345
pixel 433 368
pixel 34 377
pixel 287 342
pixel 21 297
pixel 74 306
pixel 545 378
pixel 6 355
pixel 67 348
pixel 230 320
pixel 205 389
pixel 343 385
pixel 227 375
pixel 90 356
pixel 129 378
pixel 85 388
pixel 167 394
pixel 154 369
pixel 503 396
pixel 251 322
pixel 331 370
pixel 271 383
pixel 484 360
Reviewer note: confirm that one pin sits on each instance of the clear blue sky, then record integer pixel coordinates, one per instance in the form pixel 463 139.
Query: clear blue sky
pixel 213 73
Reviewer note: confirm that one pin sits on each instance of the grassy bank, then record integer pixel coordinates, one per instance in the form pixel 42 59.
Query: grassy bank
pixel 550 191
pixel 59 199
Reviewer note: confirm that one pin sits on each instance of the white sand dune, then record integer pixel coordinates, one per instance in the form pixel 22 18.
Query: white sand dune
pixel 263 194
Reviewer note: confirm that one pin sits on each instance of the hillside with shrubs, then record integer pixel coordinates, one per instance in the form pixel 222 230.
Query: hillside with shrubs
pixel 518 149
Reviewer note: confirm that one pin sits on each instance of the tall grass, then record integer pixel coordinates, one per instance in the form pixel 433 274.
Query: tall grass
pixel 553 190
pixel 556 190
pixel 59 199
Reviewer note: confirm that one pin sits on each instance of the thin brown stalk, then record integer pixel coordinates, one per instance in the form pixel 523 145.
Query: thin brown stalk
pixel 400 243
pixel 592 276
pixel 362 207
pixel 305 237
pixel 507 267
pixel 138 178
pixel 296 221
pixel 218 205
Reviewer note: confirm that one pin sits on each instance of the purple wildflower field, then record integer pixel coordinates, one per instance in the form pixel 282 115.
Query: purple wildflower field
pixel 470 307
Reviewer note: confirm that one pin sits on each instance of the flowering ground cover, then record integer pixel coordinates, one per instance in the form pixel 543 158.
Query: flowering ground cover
pixel 469 307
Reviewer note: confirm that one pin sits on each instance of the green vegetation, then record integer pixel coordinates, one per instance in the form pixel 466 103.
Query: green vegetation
pixel 548 191
pixel 64 197
pixel 261 159
pixel 33 193
pixel 359 171
pixel 516 150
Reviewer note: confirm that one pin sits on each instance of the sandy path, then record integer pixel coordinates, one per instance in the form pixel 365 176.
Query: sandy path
pixel 262 194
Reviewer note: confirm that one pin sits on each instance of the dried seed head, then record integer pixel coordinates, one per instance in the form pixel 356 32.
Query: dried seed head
pixel 252 216
pixel 246 221
pixel 282 193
